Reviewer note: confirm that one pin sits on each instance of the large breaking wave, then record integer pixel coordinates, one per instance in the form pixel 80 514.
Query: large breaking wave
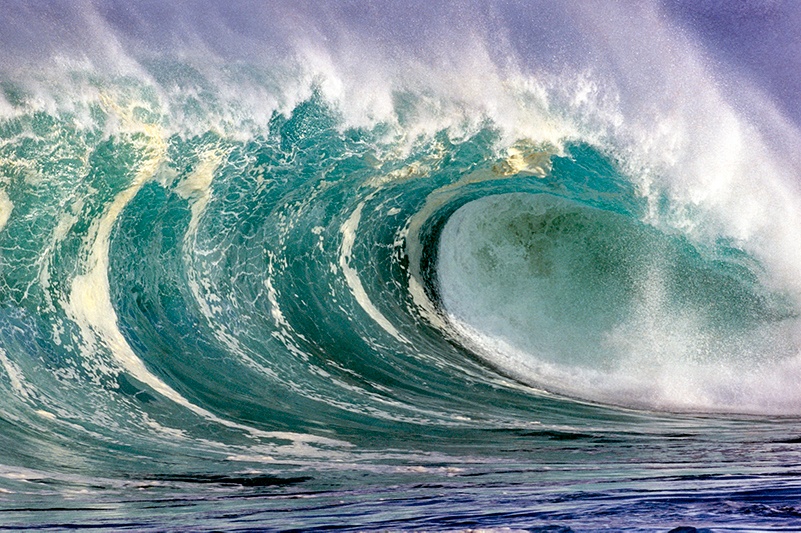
pixel 276 245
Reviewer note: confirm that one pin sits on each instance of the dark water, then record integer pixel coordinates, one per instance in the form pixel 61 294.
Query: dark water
pixel 347 267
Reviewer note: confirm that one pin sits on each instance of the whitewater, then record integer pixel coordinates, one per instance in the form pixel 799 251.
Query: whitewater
pixel 422 267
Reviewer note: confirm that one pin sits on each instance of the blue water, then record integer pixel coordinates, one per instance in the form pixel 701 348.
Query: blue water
pixel 296 267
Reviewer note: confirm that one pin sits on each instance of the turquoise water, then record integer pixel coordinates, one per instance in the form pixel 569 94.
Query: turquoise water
pixel 237 296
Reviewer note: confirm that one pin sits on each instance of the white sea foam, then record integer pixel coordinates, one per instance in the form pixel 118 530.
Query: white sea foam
pixel 348 230
pixel 5 208
pixel 14 375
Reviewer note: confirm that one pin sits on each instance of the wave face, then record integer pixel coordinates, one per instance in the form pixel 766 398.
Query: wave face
pixel 478 266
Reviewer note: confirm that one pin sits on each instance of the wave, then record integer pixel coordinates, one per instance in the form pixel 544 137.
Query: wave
pixel 263 250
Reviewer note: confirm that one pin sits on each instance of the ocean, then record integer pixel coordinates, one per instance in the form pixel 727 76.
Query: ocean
pixel 472 266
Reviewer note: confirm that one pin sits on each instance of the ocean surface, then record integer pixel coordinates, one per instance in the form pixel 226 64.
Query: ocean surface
pixel 411 266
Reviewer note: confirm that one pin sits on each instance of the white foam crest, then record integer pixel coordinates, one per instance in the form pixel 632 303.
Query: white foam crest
pixel 6 109
pixel 348 230
pixel 452 84
pixel 14 374
pixel 196 188
pixel 5 208
pixel 426 91
pixel 637 81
